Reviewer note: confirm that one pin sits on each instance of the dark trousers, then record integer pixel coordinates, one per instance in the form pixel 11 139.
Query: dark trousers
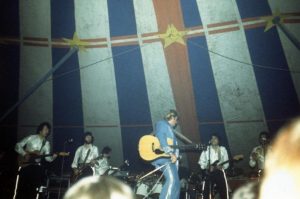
pixel 215 178
pixel 30 179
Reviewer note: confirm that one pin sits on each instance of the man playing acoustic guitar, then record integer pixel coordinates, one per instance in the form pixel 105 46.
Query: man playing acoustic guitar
pixel 164 133
pixel 214 160
pixel 30 150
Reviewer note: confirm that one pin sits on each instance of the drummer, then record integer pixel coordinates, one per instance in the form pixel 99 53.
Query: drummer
pixel 102 165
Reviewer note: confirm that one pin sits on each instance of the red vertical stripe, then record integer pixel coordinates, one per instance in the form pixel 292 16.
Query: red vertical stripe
pixel 169 12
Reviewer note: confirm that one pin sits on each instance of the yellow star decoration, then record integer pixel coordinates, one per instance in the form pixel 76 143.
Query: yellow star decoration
pixel 76 42
pixel 271 20
pixel 172 35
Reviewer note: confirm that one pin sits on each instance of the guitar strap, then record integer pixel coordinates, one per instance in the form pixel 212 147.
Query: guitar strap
pixel 43 144
pixel 87 155
pixel 219 154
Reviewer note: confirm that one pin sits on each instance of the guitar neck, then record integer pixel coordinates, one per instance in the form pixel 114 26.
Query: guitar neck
pixel 235 158
pixel 45 155
pixel 189 146
pixel 225 162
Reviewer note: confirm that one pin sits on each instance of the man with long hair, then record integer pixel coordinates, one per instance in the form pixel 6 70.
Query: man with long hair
pixel 31 172
pixel 212 160
pixel 85 158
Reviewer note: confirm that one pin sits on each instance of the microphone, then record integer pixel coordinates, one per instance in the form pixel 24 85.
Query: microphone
pixel 179 157
pixel 126 162
pixel 69 140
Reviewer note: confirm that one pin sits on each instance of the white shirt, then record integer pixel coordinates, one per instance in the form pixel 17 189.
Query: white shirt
pixel 259 150
pixel 220 154
pixel 81 153
pixel 101 166
pixel 34 143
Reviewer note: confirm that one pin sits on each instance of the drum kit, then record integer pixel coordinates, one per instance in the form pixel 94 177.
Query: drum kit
pixel 151 186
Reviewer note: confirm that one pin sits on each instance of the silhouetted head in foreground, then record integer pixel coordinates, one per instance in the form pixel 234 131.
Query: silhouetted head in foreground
pixel 96 187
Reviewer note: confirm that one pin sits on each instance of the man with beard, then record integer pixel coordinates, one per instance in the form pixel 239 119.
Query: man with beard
pixel 85 158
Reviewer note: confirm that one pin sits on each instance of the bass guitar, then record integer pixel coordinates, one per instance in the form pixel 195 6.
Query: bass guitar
pixel 150 149
pixel 31 157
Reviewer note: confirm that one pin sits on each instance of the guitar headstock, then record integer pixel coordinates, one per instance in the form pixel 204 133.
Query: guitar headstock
pixel 63 153
pixel 238 157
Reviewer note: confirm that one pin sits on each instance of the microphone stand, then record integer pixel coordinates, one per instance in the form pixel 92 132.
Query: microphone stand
pixel 207 177
pixel 209 173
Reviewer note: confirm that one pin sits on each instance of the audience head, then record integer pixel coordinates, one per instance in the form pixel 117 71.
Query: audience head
pixel 96 187
pixel 282 173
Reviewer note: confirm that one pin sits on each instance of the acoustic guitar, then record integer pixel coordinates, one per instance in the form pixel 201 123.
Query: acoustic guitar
pixel 30 157
pixel 150 149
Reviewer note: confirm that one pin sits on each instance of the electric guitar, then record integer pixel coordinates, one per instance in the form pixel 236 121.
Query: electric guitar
pixel 30 157
pixel 215 164
pixel 150 149
pixel 81 167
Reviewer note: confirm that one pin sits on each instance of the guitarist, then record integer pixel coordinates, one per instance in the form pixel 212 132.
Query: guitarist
pixel 85 158
pixel 212 160
pixel 29 149
pixel 164 132
pixel 257 157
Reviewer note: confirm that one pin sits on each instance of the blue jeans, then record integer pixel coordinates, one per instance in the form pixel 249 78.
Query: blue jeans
pixel 171 187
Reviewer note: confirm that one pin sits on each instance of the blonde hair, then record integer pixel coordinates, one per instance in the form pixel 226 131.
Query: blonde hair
pixel 282 173
pixel 96 187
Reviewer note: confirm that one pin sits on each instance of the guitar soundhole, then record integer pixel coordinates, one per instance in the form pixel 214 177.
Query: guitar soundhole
pixel 157 151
